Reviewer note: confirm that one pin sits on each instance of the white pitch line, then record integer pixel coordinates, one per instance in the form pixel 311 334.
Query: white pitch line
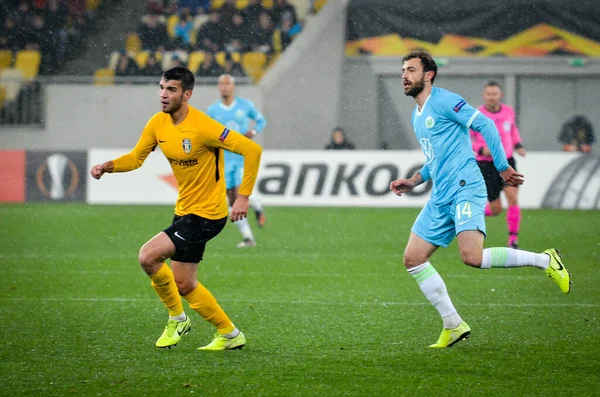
pixel 304 302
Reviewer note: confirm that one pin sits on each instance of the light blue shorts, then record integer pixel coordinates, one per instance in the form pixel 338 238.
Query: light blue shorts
pixel 234 172
pixel 438 225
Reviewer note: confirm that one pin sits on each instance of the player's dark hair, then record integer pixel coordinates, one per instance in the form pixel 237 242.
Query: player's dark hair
pixel 179 73
pixel 427 61
pixel 493 83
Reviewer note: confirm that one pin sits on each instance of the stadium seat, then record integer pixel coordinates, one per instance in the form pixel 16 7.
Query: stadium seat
pixel 196 58
pixel 104 76
pixel 113 59
pixel 141 58
pixel 254 64
pixel 216 4
pixel 2 96
pixel 91 5
pixel 267 3
pixel 11 81
pixel 6 59
pixel 171 24
pixel 29 62
pixel 133 43
pixel 220 57
pixel 318 4
pixel 241 4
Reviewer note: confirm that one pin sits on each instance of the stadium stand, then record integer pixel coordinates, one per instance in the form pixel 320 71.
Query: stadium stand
pixel 245 36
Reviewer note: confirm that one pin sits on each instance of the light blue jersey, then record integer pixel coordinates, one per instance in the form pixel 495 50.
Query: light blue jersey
pixel 459 194
pixel 236 117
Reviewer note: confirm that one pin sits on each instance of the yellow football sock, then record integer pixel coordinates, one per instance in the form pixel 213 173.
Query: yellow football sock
pixel 205 304
pixel 163 283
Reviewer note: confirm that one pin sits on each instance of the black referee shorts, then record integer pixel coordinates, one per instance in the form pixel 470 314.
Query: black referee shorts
pixel 493 181
pixel 190 233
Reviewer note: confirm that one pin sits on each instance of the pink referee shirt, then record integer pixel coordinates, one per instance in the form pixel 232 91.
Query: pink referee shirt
pixel 509 133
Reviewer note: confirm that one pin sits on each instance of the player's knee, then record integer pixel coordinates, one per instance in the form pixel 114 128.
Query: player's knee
pixel 411 260
pixel 471 258
pixel 148 261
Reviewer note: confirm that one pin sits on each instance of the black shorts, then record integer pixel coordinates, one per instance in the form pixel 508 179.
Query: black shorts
pixel 493 181
pixel 190 233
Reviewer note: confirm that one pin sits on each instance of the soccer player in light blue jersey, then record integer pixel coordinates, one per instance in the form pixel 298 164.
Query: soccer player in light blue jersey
pixel 236 113
pixel 441 121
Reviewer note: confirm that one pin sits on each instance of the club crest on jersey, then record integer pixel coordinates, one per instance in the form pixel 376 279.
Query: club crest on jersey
pixel 224 134
pixel 429 122
pixel 459 105
pixel 187 145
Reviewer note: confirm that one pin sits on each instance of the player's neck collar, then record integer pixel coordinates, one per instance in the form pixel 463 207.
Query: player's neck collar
pixel 420 112
pixel 231 105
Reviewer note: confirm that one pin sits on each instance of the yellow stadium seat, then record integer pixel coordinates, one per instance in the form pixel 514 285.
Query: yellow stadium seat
pixel 171 24
pixel 267 3
pixel 29 62
pixel 133 43
pixel 196 58
pixel 318 5
pixel 2 96
pixel 220 57
pixel 92 4
pixel 216 4
pixel 104 76
pixel 11 81
pixel 254 64
pixel 141 58
pixel 241 4
pixel 5 58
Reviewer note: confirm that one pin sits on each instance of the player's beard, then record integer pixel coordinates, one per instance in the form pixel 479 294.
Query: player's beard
pixel 416 88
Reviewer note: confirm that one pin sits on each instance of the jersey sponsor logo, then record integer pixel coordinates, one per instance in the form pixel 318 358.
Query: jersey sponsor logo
pixel 427 149
pixel 239 114
pixel 183 163
pixel 224 134
pixel 459 105
pixel 429 122
pixel 187 145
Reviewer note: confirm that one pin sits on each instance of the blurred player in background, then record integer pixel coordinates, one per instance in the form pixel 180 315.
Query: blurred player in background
pixel 235 113
pixel 504 117
pixel 193 144
pixel 441 121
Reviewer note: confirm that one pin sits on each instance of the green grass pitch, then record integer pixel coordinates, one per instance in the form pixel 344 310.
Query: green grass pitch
pixel 324 301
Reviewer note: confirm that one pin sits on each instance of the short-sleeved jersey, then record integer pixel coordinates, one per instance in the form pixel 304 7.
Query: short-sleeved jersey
pixel 504 119
pixel 442 129
pixel 194 148
pixel 237 117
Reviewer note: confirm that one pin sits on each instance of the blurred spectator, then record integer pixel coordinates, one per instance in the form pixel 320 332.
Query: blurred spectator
pixel 262 38
pixel 283 9
pixel 152 67
pixel 252 11
pixel 194 6
pixel 237 35
pixel 232 68
pixel 338 141
pixel 226 12
pixel 176 62
pixel 184 28
pixel 152 33
pixel 209 67
pixel 14 35
pixel 577 134
pixel 126 66
pixel 210 35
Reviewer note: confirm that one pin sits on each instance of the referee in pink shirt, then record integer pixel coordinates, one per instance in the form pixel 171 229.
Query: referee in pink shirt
pixel 504 118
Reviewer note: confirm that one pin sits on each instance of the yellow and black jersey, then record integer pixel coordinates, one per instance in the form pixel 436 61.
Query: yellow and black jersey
pixel 194 148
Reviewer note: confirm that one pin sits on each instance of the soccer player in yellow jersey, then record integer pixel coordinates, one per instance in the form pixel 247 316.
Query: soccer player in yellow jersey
pixel 193 144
